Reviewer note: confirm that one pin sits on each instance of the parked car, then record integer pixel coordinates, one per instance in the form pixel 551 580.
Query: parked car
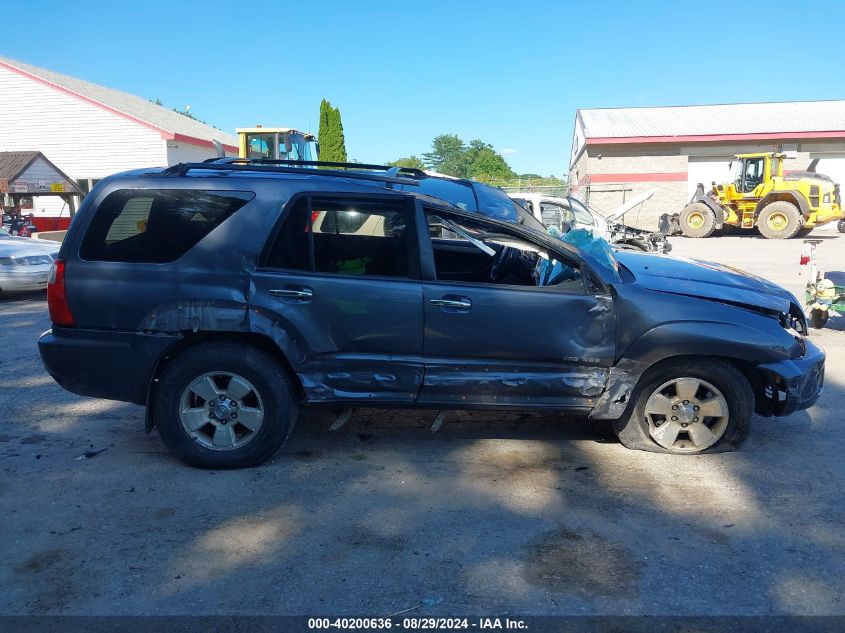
pixel 225 296
pixel 24 263
pixel 555 211
pixel 17 225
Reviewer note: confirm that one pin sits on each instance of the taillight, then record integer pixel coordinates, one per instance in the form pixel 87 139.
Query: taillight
pixel 60 313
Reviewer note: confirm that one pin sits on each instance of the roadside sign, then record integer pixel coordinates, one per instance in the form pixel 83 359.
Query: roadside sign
pixel 57 187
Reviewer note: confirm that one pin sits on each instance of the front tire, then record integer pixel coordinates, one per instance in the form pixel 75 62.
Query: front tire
pixel 224 405
pixel 697 220
pixel 780 220
pixel 688 406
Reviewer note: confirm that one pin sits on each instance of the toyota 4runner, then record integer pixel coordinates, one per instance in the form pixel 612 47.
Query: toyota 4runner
pixel 226 295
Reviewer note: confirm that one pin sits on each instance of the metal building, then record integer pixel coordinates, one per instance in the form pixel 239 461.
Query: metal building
pixel 621 152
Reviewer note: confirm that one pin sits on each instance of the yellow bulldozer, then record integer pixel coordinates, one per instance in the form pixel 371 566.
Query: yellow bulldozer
pixel 276 143
pixel 760 196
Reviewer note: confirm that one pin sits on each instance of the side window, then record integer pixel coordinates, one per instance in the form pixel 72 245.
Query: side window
pixel 156 226
pixel 753 174
pixel 555 214
pixel 349 237
pixel 469 251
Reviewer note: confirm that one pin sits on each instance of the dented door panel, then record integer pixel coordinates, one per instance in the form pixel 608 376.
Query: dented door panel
pixel 349 338
pixel 534 347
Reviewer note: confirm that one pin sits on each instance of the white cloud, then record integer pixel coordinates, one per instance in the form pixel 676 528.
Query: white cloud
pixel 508 151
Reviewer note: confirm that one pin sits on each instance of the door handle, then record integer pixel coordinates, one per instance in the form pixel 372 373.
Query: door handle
pixel 302 294
pixel 457 304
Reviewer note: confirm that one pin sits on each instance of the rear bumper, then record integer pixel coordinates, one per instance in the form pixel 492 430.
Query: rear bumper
pixel 100 364
pixel 793 384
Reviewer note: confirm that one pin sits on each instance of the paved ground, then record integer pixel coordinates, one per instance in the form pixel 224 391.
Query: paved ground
pixel 495 514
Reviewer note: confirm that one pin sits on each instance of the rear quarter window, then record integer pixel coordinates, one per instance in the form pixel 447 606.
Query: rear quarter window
pixel 156 226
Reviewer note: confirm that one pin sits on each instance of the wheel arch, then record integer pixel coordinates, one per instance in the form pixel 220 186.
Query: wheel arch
pixel 793 197
pixel 744 347
pixel 191 339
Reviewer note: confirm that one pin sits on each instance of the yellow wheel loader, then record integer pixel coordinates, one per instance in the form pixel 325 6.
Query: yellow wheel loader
pixel 276 143
pixel 761 196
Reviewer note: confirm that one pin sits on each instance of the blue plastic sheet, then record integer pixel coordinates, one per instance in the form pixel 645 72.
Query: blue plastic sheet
pixel 553 272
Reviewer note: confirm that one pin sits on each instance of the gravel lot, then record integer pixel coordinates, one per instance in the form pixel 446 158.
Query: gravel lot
pixel 496 514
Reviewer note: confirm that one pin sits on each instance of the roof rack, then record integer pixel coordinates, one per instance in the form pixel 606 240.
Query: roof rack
pixel 361 171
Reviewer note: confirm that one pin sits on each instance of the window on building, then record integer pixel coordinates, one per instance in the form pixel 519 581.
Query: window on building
pixel 156 226
pixel 348 237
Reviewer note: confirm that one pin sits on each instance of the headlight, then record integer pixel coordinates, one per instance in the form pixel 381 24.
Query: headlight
pixel 26 260
pixel 795 324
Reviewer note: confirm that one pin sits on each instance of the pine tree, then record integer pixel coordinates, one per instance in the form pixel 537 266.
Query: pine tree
pixel 324 131
pixel 337 136
pixel 330 135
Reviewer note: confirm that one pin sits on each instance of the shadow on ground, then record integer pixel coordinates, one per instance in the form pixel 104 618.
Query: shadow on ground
pixel 496 513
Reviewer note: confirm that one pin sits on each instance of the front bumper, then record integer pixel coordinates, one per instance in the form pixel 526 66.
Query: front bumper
pixel 24 280
pixel 103 364
pixel 792 385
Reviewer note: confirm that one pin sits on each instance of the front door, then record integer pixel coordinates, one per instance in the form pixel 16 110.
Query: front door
pixel 502 329
pixel 340 290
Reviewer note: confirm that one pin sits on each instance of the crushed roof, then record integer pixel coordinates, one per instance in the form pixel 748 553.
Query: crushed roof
pixel 132 105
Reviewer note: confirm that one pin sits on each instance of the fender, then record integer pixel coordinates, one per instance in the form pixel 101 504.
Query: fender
pixel 710 338
pixel 684 338
pixel 789 196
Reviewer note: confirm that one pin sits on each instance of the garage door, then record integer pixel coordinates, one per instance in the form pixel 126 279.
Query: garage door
pixel 832 165
pixel 707 170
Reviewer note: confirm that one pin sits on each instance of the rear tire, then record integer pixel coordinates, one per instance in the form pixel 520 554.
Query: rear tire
pixel 717 388
pixel 256 413
pixel 697 220
pixel 780 220
pixel 818 318
pixel 840 226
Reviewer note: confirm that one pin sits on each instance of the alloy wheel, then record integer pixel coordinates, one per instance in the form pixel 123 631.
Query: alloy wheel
pixel 221 410
pixel 686 415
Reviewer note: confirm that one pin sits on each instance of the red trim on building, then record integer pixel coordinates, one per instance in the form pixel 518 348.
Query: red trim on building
pixel 202 143
pixel 43 223
pixel 165 134
pixel 666 176
pixel 710 138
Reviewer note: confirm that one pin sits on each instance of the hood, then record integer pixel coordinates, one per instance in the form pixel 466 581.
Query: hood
pixel 706 280
pixel 24 247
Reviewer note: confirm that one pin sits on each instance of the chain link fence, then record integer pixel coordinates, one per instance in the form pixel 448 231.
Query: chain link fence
pixel 547 186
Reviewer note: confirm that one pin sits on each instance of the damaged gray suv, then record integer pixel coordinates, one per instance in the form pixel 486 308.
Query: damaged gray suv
pixel 226 295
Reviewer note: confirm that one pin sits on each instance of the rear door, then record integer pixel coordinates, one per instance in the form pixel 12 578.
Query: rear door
pixel 340 286
pixel 507 342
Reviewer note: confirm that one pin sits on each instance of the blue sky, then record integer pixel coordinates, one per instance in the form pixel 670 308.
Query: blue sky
pixel 509 73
